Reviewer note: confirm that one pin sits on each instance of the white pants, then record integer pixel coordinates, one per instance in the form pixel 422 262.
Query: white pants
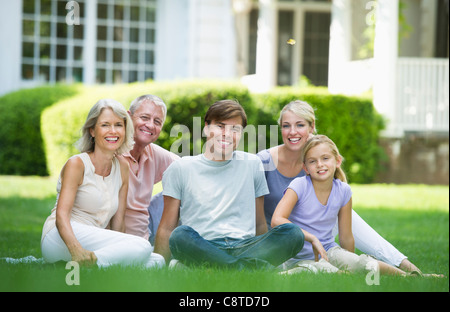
pixel 338 259
pixel 370 242
pixel 110 247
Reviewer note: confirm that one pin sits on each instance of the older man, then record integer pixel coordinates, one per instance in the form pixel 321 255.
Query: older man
pixel 147 162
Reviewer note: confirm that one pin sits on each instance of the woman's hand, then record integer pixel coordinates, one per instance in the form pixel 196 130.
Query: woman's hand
pixel 84 257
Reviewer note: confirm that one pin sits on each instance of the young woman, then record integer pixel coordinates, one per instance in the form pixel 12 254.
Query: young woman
pixel 92 190
pixel 315 203
pixel 284 163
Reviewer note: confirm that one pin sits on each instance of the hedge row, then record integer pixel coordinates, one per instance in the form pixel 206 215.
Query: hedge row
pixel 21 147
pixel 351 122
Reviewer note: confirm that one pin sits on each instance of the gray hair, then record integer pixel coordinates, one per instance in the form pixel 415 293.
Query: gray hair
pixel 87 144
pixel 151 98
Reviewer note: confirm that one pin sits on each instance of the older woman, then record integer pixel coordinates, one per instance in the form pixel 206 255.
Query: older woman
pixel 92 191
pixel 283 164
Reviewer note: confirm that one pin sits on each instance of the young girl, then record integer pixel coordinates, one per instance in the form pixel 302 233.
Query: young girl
pixel 314 202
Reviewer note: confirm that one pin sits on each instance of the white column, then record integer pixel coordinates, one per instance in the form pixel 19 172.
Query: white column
pixel 340 45
pixel 90 39
pixel 11 45
pixel 266 46
pixel 385 64
pixel 173 47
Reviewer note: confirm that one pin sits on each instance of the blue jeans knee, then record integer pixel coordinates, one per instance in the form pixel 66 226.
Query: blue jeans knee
pixel 295 234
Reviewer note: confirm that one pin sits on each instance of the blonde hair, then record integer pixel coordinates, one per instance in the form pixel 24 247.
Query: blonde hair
pixel 87 144
pixel 300 109
pixel 323 139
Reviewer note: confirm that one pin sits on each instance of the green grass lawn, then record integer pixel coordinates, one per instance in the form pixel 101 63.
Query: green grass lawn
pixel 414 218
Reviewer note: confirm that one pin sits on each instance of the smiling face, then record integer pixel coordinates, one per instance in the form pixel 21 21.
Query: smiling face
pixel 295 131
pixel 109 131
pixel 222 138
pixel 321 163
pixel 148 122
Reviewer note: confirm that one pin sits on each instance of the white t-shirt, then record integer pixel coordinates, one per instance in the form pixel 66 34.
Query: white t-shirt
pixel 217 198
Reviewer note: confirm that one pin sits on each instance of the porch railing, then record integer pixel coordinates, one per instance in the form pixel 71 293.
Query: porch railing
pixel 422 95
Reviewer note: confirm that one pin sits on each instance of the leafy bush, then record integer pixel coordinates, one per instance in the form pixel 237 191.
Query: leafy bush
pixel 21 147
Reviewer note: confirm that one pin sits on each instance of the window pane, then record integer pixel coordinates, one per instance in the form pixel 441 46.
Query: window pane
pixel 101 76
pixel 118 33
pixel 28 6
pixel 61 8
pixel 132 76
pixel 27 71
pixel 44 73
pixel 46 7
pixel 101 54
pixel 117 56
pixel 61 52
pixel 44 51
pixel 149 57
pixel 27 49
pixel 134 59
pixel 117 76
pixel 316 47
pixel 148 75
pixel 118 12
pixel 45 29
pixel 60 73
pixel 28 28
pixel 285 27
pixel 150 37
pixel 78 53
pixel 102 11
pixel 78 31
pixel 134 34
pixel 134 14
pixel 61 30
pixel 77 74
pixel 101 33
pixel 151 15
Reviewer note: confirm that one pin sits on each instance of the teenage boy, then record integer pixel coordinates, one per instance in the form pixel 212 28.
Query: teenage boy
pixel 218 197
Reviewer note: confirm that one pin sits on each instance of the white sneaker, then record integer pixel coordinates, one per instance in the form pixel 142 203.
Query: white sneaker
pixel 301 268
pixel 176 264
pixel 156 261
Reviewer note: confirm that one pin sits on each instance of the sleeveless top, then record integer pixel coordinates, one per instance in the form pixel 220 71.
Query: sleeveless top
pixel 96 200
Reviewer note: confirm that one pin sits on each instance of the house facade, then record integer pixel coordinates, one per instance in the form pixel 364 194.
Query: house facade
pixel 396 48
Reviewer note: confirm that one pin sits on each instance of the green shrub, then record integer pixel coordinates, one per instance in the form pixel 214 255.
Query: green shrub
pixel 21 147
pixel 351 122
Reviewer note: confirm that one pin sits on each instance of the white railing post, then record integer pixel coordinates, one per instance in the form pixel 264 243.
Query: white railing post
pixel 385 58
pixel 340 45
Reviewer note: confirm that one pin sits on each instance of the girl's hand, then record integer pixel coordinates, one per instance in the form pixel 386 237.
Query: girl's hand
pixel 318 250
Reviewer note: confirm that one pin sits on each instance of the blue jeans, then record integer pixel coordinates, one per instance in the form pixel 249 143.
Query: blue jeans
pixel 264 251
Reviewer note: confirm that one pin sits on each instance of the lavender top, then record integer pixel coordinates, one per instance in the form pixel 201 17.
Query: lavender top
pixel 315 218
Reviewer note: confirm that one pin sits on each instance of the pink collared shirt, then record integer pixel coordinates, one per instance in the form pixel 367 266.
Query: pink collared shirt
pixel 143 175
